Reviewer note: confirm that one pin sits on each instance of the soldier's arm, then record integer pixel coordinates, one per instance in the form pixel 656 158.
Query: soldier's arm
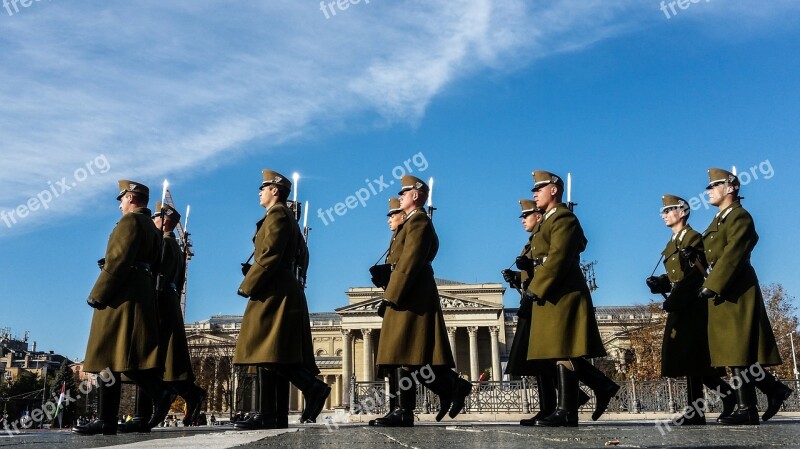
pixel 413 259
pixel 564 243
pixel 120 256
pixel 742 238
pixel 270 249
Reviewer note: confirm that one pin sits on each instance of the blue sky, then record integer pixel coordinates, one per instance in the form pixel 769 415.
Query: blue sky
pixel 206 94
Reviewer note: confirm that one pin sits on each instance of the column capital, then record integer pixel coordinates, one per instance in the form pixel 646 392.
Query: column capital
pixel 473 330
pixel 494 330
pixel 451 330
pixel 367 332
pixel 347 332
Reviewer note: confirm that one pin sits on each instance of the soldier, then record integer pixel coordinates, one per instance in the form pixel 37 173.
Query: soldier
pixel 380 278
pixel 413 334
pixel 276 330
pixel 563 326
pixel 124 335
pixel 684 351
pixel 739 332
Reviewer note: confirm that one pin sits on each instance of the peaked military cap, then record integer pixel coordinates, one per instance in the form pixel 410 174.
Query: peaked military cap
pixel 409 182
pixel 528 207
pixel 394 207
pixel 168 210
pixel 718 176
pixel 542 178
pixel 126 186
pixel 273 177
pixel 671 201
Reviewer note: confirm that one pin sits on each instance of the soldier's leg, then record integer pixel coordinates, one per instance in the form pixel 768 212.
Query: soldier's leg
pixel 193 395
pixel 546 389
pixel 282 389
pixel 314 390
pixel 451 389
pixel 604 388
pixel 107 409
pixel 746 410
pixel 403 415
pixel 253 419
pixel 724 391
pixel 143 413
pixel 776 392
pixel 694 392
pixel 566 413
pixel 162 396
pixel 394 393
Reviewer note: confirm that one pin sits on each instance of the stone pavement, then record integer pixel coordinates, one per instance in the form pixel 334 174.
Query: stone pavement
pixel 779 432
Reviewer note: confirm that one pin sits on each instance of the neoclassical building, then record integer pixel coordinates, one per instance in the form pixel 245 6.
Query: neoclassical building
pixel 480 330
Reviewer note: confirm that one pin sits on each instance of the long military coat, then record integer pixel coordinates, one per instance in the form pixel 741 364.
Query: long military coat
pixel 124 334
pixel 275 328
pixel 565 326
pixel 413 331
pixel 684 350
pixel 518 363
pixel 739 331
pixel 172 342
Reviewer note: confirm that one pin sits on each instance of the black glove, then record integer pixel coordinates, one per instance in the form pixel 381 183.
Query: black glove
pixel 706 293
pixel 242 294
pixel 524 263
pixel 658 284
pixel 95 304
pixel 382 307
pixel 380 275
pixel 511 277
pixel 246 267
pixel 690 253
pixel 525 307
pixel 101 263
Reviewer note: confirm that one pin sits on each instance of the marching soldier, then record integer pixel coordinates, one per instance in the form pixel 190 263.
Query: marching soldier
pixel 563 326
pixel 739 332
pixel 124 335
pixel 684 351
pixel 276 330
pixel 413 334
pixel 380 278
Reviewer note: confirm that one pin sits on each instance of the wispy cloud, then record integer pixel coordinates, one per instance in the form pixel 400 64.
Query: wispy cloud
pixel 200 79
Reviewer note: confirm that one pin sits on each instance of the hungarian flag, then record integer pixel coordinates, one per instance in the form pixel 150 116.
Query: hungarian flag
pixel 61 397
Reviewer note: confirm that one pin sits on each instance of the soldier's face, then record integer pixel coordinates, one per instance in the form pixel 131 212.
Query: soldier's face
pixel 266 195
pixel 529 221
pixel 125 204
pixel 717 193
pixel 395 220
pixel 672 216
pixel 544 195
pixel 408 199
pixel 157 221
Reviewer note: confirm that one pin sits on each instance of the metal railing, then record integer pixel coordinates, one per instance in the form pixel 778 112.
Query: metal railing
pixel 521 396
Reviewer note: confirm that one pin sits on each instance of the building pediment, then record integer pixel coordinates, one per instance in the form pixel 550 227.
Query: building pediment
pixel 447 301
pixel 210 339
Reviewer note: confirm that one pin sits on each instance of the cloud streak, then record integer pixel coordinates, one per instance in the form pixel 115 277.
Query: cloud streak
pixel 200 80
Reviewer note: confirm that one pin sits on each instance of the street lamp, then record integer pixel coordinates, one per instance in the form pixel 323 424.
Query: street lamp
pixel 794 357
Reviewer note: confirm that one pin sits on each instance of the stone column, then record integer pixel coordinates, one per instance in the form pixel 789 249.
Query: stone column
pixel 474 370
pixel 347 365
pixel 368 361
pixel 451 335
pixel 337 391
pixel 497 373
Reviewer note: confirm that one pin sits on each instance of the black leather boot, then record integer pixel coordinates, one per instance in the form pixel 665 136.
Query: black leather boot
pixel 107 409
pixel 604 388
pixel 314 390
pixel 566 413
pixel 403 415
pixel 694 391
pixel 443 385
pixel 776 393
pixel 394 394
pixel 194 396
pixel 264 416
pixel 726 393
pixel 746 411
pixel 162 396
pixel 282 389
pixel 546 387
pixel 141 420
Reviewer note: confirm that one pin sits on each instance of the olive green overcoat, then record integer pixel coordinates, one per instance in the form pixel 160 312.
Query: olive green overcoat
pixel 739 331
pixel 124 334
pixel 565 325
pixel 173 345
pixel 276 328
pixel 684 349
pixel 413 331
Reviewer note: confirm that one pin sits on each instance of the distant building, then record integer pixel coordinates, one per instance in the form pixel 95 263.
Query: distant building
pixel 480 330
pixel 16 358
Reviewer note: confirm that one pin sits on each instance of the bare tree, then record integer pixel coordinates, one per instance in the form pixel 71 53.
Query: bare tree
pixel 782 313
